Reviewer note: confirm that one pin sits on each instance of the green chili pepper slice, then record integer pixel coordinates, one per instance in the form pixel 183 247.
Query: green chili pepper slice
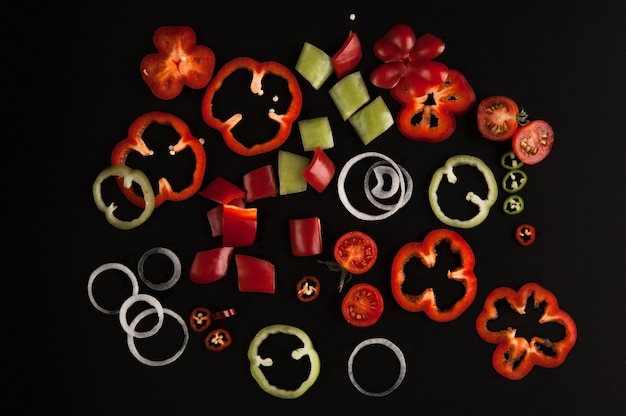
pixel 256 361
pixel 514 180
pixel 483 205
pixel 513 205
pixel 130 176
pixel 510 161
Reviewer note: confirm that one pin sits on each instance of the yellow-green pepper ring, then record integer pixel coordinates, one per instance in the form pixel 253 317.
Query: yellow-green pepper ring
pixel 256 361
pixel 130 176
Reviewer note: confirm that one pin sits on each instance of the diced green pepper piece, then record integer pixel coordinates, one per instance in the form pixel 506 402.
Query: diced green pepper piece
pixel 372 120
pixel 316 132
pixel 290 168
pixel 314 65
pixel 349 94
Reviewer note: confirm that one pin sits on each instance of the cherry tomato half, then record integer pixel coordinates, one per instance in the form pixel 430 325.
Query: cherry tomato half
pixel 532 142
pixel 217 340
pixel 308 288
pixel 497 117
pixel 362 305
pixel 356 252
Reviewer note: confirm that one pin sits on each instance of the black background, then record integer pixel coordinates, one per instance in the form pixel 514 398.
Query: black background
pixel 562 63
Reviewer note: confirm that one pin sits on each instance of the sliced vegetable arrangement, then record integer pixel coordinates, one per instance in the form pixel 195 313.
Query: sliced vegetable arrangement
pixel 430 96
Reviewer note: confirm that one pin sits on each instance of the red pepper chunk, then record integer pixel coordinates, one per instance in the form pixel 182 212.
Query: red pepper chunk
pixel 135 143
pixel 426 251
pixel 320 170
pixel 260 183
pixel 515 356
pixel 238 226
pixel 222 191
pixel 210 265
pixel 178 62
pixel 258 71
pixel 254 274
pixel 215 216
pixel 306 236
pixel 348 56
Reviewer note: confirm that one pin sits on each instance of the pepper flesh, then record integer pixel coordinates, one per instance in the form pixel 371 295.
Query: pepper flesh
pixel 134 143
pixel 426 251
pixel 515 356
pixel 259 70
pixel 257 361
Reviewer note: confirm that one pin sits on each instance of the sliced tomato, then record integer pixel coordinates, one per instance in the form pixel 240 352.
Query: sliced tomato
pixel 356 252
pixel 533 142
pixel 362 305
pixel 498 117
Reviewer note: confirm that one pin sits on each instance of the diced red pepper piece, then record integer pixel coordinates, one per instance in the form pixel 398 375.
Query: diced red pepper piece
pixel 238 226
pixel 210 265
pixel 222 191
pixel 260 183
pixel 254 274
pixel 215 216
pixel 306 236
pixel 320 171
pixel 348 56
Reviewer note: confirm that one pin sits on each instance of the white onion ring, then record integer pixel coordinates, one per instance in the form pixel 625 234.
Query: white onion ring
pixel 98 271
pixel 393 347
pixel 379 169
pixel 175 274
pixel 156 363
pixel 390 209
pixel 141 297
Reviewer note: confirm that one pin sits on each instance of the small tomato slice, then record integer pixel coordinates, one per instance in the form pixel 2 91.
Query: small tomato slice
pixel 362 305
pixel 356 252
pixel 348 56
pixel 498 117
pixel 533 142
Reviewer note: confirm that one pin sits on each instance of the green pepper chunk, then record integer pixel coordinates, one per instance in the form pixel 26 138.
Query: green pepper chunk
pixel 130 176
pixel 314 65
pixel 256 361
pixel 349 94
pixel 484 205
pixel 290 168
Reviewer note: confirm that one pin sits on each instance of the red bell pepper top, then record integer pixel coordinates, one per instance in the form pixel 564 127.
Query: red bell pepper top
pixel 515 356
pixel 259 70
pixel 426 251
pixel 134 143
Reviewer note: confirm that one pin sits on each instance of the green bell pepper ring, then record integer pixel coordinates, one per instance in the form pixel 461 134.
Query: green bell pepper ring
pixel 256 361
pixel 129 177
pixel 483 205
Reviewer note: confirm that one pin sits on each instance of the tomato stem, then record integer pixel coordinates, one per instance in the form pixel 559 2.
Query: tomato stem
pixel 344 277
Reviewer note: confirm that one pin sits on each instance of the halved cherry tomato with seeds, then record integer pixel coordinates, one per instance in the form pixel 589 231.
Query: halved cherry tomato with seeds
pixel 356 252
pixel 533 142
pixel 363 305
pixel 217 340
pixel 498 117
pixel 308 288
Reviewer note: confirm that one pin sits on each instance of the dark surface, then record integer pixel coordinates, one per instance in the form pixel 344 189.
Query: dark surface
pixel 561 63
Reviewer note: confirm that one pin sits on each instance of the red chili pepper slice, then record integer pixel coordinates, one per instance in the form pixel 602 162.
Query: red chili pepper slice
pixel 200 319
pixel 226 313
pixel 308 288
pixel 218 340
pixel 525 234
pixel 515 356
pixel 426 251
pixel 135 143
pixel 259 70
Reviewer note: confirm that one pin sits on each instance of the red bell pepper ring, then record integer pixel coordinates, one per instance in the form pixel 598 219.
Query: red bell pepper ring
pixel 254 274
pixel 431 117
pixel 222 191
pixel 135 143
pixel 408 62
pixel 426 251
pixel 178 62
pixel 210 265
pixel 515 356
pixel 259 70
pixel 320 170
pixel 305 236
pixel 238 226
pixel 260 183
